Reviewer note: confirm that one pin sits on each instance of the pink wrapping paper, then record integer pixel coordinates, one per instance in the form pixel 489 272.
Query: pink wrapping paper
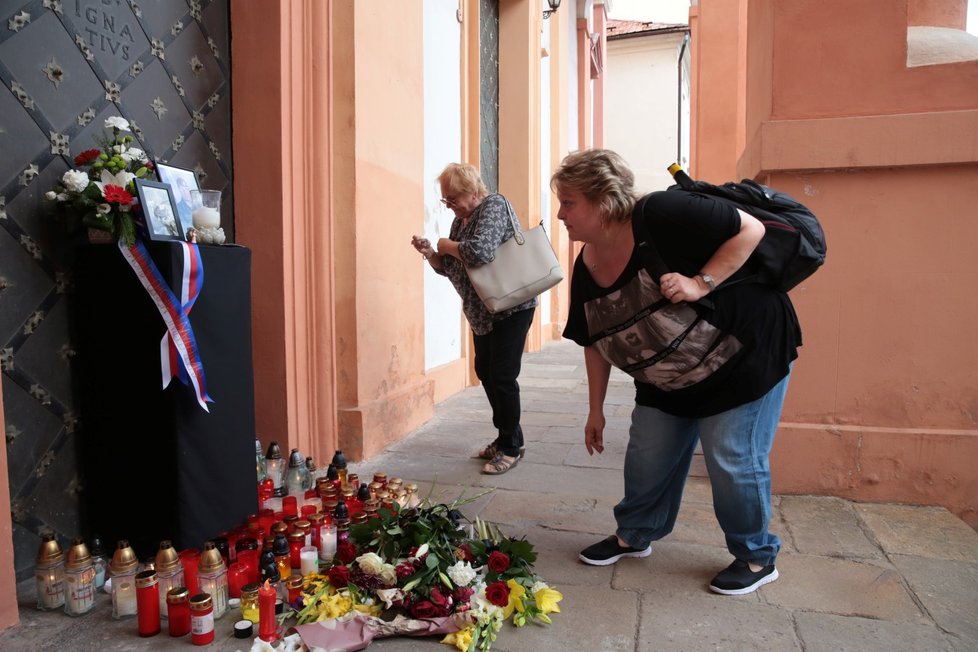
pixel 355 631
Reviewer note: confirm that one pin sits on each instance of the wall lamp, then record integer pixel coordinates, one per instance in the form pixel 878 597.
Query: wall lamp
pixel 554 4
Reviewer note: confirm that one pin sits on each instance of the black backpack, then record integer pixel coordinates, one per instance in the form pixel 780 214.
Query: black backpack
pixel 793 246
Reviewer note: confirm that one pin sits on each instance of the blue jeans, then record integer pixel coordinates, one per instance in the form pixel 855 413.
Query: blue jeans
pixel 498 358
pixel 736 445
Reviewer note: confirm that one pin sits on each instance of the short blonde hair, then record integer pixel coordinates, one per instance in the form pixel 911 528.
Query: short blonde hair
pixel 603 177
pixel 463 178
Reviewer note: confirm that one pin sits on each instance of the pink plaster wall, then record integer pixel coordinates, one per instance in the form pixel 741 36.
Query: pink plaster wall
pixel 8 594
pixel 883 400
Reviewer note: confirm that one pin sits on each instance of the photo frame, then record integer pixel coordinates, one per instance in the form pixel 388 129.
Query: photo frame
pixel 181 181
pixel 163 220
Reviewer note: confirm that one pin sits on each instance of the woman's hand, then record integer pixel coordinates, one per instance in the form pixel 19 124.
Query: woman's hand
pixel 423 245
pixel 448 247
pixel 594 433
pixel 677 288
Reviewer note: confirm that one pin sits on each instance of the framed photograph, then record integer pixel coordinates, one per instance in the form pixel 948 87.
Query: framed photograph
pixel 160 211
pixel 182 181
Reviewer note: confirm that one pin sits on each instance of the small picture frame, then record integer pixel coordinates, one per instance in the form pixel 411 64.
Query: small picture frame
pixel 182 181
pixel 163 221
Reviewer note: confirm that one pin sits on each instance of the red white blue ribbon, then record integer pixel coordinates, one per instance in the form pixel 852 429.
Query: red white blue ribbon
pixel 178 327
pixel 191 280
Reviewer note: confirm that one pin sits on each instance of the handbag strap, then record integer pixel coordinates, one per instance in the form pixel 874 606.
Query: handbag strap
pixel 517 231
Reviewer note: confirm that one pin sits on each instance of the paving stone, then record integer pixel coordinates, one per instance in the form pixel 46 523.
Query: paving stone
pixel 713 622
pixel 566 512
pixel 831 633
pixel 948 590
pixel 825 526
pixel 675 572
pixel 542 479
pixel 841 586
pixel 923 531
pixel 557 557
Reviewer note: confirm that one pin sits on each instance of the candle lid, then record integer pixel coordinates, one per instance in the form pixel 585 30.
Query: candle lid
pixel 210 559
pixel 281 545
pixel 146 578
pixel 78 555
pixel 124 559
pixel 316 518
pixel 310 465
pixel 339 461
pixel 302 524
pixel 250 590
pixel 177 595
pixel 167 558
pixel 201 602
pixel 296 459
pixel 294 582
pixel 274 452
pixel 242 629
pixel 49 552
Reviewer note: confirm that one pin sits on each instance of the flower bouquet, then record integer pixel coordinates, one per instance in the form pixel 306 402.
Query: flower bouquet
pixel 423 571
pixel 99 193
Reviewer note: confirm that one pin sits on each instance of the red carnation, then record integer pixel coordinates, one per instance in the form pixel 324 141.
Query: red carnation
pixel 86 157
pixel 498 594
pixel 339 576
pixel 498 561
pixel 404 569
pixel 346 552
pixel 462 595
pixel 423 609
pixel 440 599
pixel 117 194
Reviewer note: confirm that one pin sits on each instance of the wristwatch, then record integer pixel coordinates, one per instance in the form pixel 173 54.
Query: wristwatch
pixel 710 283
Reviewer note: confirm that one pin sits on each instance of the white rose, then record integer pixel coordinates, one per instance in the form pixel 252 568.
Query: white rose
pixel 371 563
pixel 103 209
pixel 461 573
pixel 50 195
pixel 75 180
pixel 388 574
pixel 115 122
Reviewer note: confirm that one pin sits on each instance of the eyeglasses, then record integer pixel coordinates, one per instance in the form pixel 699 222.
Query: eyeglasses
pixel 449 201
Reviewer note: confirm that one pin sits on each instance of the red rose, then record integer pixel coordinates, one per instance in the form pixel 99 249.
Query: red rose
pixel 422 609
pixel 86 157
pixel 498 594
pixel 404 569
pixel 346 552
pixel 339 576
pixel 498 561
pixel 117 194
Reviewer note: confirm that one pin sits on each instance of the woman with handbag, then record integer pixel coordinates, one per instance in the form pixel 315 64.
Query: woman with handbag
pixel 713 370
pixel 482 222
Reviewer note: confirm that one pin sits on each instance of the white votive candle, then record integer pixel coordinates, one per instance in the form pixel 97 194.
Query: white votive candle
pixel 205 217
pixel 309 559
pixel 327 542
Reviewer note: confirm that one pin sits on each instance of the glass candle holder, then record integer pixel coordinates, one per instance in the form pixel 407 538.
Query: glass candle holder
pixel 201 619
pixel 79 580
pixel 309 560
pixel 237 577
pixel 249 602
pixel 207 209
pixel 169 572
pixel 178 611
pixel 212 579
pixel 50 574
pixel 327 547
pixel 189 560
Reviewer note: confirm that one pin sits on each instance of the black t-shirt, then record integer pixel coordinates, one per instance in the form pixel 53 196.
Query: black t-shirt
pixel 687 360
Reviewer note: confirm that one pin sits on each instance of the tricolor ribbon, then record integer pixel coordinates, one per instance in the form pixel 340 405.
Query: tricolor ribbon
pixel 174 312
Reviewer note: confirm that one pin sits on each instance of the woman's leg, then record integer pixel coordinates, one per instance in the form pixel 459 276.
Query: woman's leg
pixel 505 355
pixel 736 445
pixel 660 450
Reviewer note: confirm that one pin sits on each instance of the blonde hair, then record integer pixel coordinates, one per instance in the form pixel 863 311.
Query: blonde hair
pixel 463 178
pixel 603 177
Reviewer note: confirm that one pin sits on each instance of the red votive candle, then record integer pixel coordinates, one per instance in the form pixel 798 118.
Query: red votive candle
pixel 290 506
pixel 237 577
pixel 249 560
pixel 266 612
pixel 148 603
pixel 178 611
pixel 190 558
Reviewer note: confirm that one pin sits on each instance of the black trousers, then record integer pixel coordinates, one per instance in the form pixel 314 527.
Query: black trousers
pixel 498 356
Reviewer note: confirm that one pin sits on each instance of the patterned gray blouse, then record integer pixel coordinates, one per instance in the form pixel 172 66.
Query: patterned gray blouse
pixel 488 227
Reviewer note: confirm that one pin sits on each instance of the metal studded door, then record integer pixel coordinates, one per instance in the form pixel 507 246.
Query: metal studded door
pixel 66 66
pixel 489 92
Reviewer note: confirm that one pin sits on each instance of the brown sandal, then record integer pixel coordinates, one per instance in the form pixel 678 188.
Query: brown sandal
pixel 500 464
pixel 490 451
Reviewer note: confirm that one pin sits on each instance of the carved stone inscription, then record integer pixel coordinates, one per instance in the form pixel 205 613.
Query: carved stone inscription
pixel 107 25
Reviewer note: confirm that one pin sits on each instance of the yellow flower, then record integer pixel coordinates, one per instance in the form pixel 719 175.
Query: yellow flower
pixel 516 593
pixel 333 606
pixel 460 639
pixel 547 600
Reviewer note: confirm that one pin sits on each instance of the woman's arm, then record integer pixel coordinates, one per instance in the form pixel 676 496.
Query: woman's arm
pixel 727 259
pixel 598 373
pixel 491 227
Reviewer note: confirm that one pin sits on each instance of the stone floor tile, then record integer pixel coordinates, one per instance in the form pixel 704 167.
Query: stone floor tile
pixel 841 586
pixel 832 633
pixel 613 456
pixel 542 479
pixel 713 622
pixel 825 526
pixel 557 557
pixel 676 572
pixel 567 512
pixel 923 531
pixel 948 590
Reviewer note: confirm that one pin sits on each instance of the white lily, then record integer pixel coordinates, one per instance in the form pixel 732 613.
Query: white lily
pixel 422 551
pixel 103 209
pixel 121 179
